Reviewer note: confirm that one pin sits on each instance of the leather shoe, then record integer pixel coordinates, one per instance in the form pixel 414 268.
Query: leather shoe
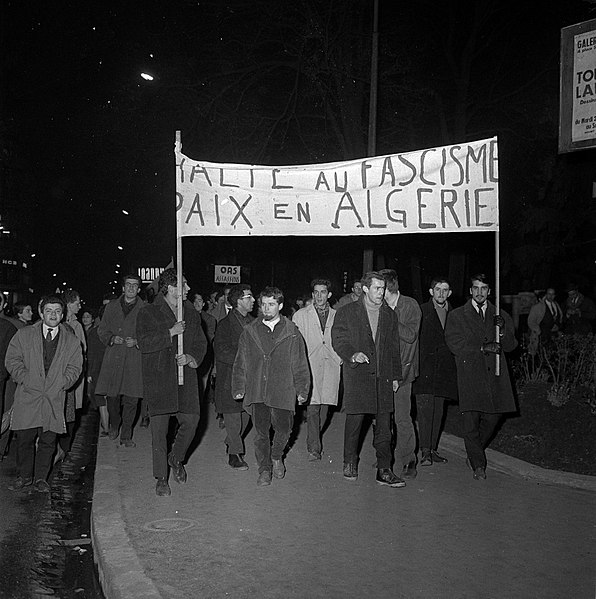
pixel 479 473
pixel 314 456
pixel 145 422
pixel 279 470
pixel 236 462
pixel 427 459
pixel 409 470
pixel 264 478
pixel 162 489
pixel 41 486
pixel 127 443
pixel 350 471
pixel 385 476
pixel 177 469
pixel 438 459
pixel 19 483
pixel 113 434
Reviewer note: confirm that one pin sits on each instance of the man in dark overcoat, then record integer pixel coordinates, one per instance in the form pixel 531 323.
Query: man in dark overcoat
pixel 225 347
pixel 120 378
pixel 365 335
pixel 157 334
pixel 270 371
pixel 437 377
pixel 471 335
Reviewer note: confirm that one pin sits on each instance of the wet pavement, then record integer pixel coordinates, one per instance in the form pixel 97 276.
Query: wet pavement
pixel 45 541
pixel 521 533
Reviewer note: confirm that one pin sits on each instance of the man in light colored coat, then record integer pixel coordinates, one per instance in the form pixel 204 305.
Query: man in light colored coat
pixel 315 322
pixel 44 360
pixel 409 316
pixel 120 378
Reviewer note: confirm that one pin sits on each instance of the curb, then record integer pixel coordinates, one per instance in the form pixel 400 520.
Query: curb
pixel 120 572
pixel 508 465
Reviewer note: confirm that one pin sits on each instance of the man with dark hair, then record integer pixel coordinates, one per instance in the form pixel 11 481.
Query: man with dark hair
pixel 44 360
pixel 225 346
pixel 470 333
pixel 437 378
pixel 270 371
pixel 157 332
pixel 408 316
pixel 353 296
pixel 580 312
pixel 23 312
pixel 7 387
pixel 315 323
pixel 365 335
pixel 120 378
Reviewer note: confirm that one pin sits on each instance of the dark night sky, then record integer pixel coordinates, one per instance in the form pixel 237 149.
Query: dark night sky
pixel 84 137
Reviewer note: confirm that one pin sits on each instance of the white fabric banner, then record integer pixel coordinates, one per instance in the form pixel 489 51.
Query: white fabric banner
pixel 437 190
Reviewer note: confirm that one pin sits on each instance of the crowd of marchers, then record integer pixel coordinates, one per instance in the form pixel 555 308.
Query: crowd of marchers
pixel 373 352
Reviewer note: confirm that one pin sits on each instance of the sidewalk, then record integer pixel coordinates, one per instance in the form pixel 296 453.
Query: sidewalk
pixel 313 534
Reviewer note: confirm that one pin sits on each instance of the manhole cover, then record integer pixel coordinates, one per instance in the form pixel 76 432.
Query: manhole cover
pixel 169 525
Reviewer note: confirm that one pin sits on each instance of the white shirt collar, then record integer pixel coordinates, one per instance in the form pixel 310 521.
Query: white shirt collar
pixel 271 323
pixel 46 328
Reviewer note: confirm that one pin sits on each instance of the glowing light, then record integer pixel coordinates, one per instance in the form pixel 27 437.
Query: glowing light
pixel 125 212
pixel 147 77
pixel 120 247
pixel 32 255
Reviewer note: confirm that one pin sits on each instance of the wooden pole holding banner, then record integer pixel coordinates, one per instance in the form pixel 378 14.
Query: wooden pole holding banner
pixel 179 307
pixel 497 300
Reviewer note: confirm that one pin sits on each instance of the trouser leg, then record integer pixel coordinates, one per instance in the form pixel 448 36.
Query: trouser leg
pixel 25 452
pixel 187 428
pixel 129 412
pixel 472 440
pixel 352 430
pixel 313 428
pixel 235 424
pixel 262 422
pixel 114 412
pixel 282 421
pixel 159 444
pixel 65 439
pixel 488 424
pixel 439 403
pixel 44 457
pixel 382 440
pixel 406 436
pixel 425 408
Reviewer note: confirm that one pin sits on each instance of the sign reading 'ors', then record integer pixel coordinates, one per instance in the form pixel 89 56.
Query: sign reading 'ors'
pixel 446 189
pixel 227 274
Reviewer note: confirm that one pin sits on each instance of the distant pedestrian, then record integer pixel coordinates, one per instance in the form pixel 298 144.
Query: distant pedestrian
pixel 226 346
pixel 44 359
pixel 483 396
pixel 365 335
pixel 408 315
pixel 270 372
pixel 209 325
pixel 437 377
pixel 544 320
pixel 24 312
pixel 120 378
pixel 7 332
pixel 353 296
pixel 95 352
pixel 315 323
pixel 157 332
pixel 580 312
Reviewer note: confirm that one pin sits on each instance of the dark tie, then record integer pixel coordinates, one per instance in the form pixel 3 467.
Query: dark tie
pixel 481 313
pixel 49 336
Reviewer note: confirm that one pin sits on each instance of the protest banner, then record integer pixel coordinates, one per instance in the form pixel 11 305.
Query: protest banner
pixel 437 190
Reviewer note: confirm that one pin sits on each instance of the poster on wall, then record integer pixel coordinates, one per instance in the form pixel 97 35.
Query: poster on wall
pixel 577 124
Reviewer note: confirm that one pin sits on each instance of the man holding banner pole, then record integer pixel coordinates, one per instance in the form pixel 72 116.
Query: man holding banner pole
pixel 484 396
pixel 158 333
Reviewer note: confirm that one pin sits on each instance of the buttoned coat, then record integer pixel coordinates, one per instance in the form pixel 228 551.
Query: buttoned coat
pixel 479 389
pixel 325 364
pixel 408 315
pixel 225 346
pixel 368 388
pixel 39 397
pixel 121 370
pixel 159 350
pixel 437 371
pixel 276 377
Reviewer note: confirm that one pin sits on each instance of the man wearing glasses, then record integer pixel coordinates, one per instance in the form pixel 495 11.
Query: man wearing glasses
pixel 120 378
pixel 226 339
